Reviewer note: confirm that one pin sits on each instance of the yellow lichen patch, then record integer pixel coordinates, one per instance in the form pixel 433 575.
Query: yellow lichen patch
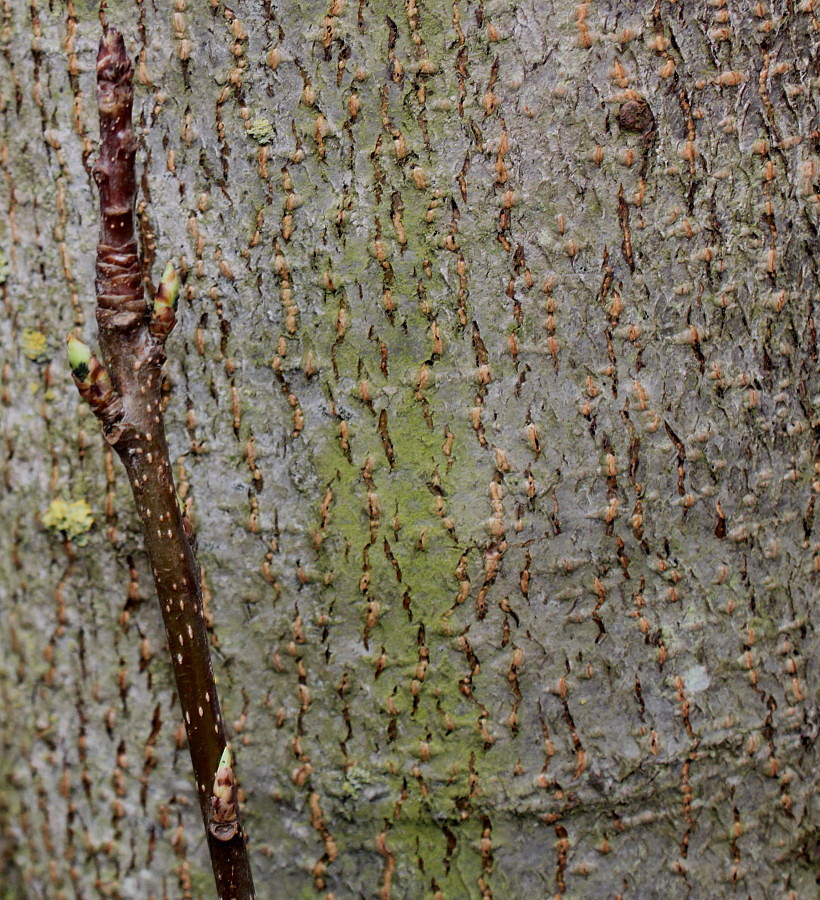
pixel 73 518
pixel 35 345
pixel 261 131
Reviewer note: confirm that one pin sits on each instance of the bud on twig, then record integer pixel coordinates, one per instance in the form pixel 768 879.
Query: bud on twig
pixel 93 382
pixel 224 812
pixel 163 317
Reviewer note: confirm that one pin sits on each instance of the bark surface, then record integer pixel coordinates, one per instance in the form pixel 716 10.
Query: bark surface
pixel 493 400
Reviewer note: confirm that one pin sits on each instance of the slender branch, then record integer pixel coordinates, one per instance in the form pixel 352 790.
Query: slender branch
pixel 124 391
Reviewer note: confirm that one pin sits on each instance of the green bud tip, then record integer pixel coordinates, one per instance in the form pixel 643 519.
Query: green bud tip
pixel 168 294
pixel 79 356
pixel 223 780
pixel 226 760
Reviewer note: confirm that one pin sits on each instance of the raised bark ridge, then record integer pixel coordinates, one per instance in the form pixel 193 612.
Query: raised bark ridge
pixel 124 394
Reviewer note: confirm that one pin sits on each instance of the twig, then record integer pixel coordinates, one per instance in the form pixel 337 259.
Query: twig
pixel 124 391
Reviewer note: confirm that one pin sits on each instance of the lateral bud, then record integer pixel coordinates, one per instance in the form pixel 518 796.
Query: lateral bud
pixel 187 525
pixel 79 358
pixel 93 383
pixel 163 316
pixel 224 823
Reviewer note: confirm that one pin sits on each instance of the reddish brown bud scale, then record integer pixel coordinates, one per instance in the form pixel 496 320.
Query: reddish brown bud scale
pixel 162 322
pixel 124 391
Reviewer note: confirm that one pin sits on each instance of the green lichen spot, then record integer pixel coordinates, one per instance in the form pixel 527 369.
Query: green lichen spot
pixel 356 779
pixel 73 518
pixel 262 132
pixel 5 269
pixel 35 345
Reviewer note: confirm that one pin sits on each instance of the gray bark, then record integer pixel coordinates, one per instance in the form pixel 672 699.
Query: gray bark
pixel 494 401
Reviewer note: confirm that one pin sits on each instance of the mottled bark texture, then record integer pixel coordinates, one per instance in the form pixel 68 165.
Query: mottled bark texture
pixel 125 395
pixel 494 400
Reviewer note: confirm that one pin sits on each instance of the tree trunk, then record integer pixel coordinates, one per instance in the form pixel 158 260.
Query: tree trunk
pixel 494 404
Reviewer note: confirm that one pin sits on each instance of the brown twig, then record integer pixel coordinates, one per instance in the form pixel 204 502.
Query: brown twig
pixel 124 391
